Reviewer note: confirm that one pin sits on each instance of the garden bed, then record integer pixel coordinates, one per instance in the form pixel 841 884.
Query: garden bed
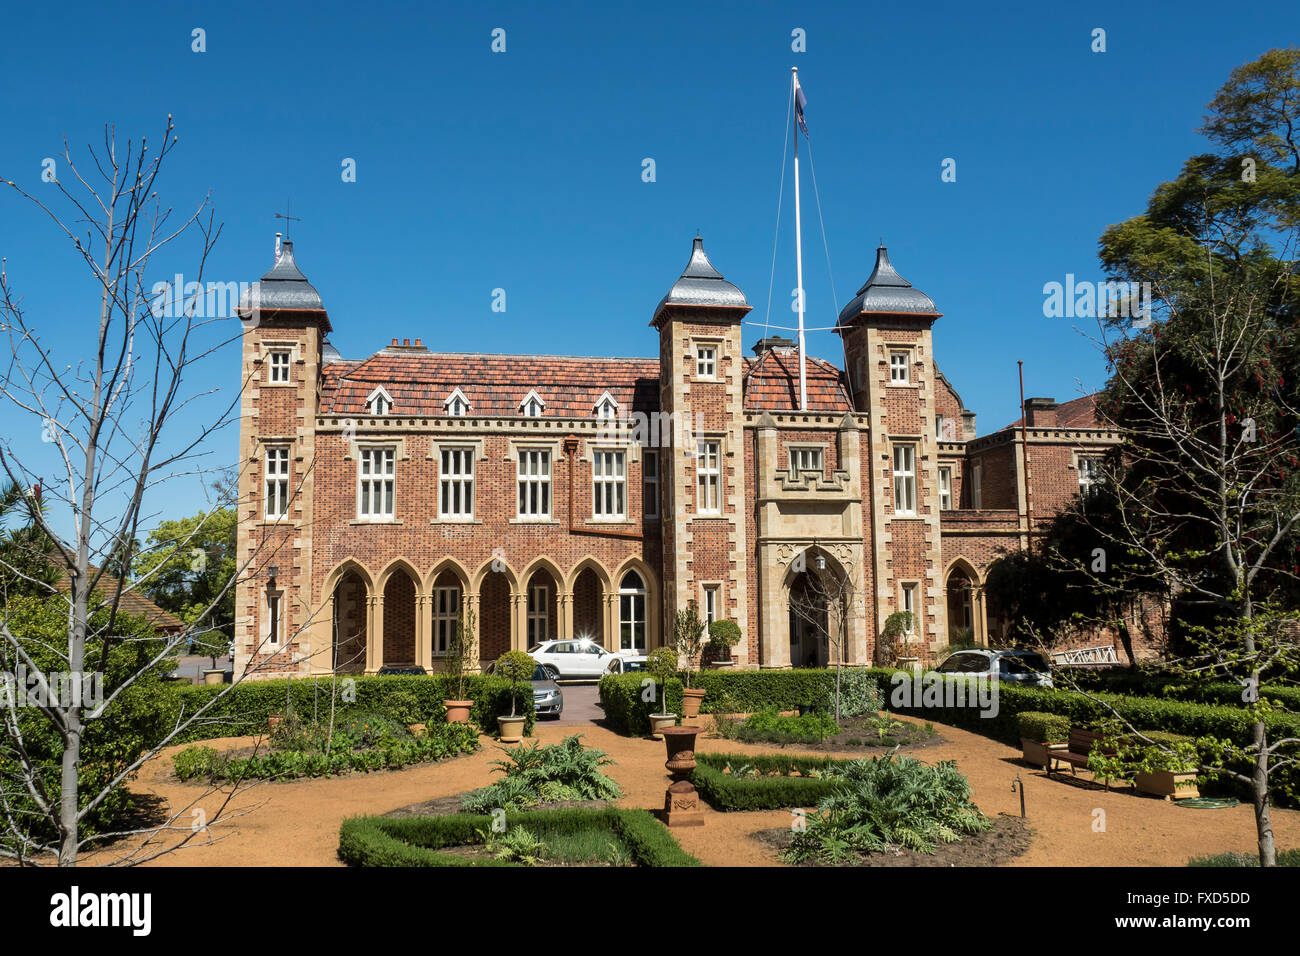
pixel 863 733
pixel 762 781
pixel 607 837
pixel 1008 839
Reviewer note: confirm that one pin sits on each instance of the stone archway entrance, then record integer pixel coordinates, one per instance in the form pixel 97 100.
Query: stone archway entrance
pixel 809 622
pixel 960 589
pixel 350 613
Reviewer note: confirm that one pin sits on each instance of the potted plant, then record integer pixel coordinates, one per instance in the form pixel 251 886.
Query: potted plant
pixel 1040 734
pixel 1168 767
pixel 516 667
pixel 897 626
pixel 723 636
pixel 688 641
pixel 460 657
pixel 662 666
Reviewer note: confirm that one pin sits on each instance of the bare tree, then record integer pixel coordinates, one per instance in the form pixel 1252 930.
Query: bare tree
pixel 826 603
pixel 115 430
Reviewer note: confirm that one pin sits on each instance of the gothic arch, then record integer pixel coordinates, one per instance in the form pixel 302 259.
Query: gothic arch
pixel 447 564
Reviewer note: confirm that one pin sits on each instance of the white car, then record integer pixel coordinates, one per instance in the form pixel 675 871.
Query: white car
pixel 575 658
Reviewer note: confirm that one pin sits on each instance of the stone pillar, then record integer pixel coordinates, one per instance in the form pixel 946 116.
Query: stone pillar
pixel 375 633
pixel 518 621
pixel 423 632
pixel 564 614
pixel 471 607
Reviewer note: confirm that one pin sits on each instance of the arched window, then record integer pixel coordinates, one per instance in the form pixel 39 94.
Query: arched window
pixel 631 613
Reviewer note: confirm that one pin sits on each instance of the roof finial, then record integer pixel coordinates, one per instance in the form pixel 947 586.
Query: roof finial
pixel 287 219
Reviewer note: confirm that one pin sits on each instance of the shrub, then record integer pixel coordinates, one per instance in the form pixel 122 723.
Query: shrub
pixel 535 774
pixel 801 688
pixel 724 635
pixel 1235 859
pixel 1043 728
pixel 768 726
pixel 242 709
pixel 661 664
pixel 415 841
pixel 516 667
pixel 887 803
pixel 627 709
pixel 800 781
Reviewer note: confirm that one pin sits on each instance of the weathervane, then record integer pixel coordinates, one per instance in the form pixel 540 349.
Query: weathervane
pixel 287 219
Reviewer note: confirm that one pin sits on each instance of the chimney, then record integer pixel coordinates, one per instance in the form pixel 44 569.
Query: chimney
pixel 1040 412
pixel 773 342
pixel 277 247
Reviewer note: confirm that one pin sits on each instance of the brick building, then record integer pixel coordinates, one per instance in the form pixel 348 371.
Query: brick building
pixel 570 497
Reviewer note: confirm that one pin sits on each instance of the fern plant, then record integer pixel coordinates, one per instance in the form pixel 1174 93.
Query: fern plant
pixel 535 774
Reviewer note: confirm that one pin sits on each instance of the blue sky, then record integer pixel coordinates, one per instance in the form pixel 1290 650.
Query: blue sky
pixel 522 170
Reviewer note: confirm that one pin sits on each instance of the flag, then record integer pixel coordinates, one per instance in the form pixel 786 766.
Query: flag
pixel 800 101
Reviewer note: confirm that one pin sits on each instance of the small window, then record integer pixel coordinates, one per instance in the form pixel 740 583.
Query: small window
pixel 532 406
pixel 650 476
pixel 609 485
pixel 706 361
pixel 276 479
pixel 456 404
pixel 379 401
pixel 976 480
pixel 942 428
pixel 274 615
pixel 707 475
pixel 900 367
pixel 945 489
pixel 607 408
pixel 534 483
pixel 905 479
pixel 1089 475
pixel 805 459
pixel 279 366
pixel 911 604
pixel 710 603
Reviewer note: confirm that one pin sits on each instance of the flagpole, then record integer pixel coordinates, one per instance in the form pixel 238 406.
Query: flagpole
pixel 798 241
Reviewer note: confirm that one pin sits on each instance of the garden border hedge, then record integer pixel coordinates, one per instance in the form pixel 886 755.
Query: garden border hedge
pixel 728 793
pixel 414 841
pixel 409 699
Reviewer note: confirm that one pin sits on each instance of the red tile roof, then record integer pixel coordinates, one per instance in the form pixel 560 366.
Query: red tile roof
pixel 495 385
pixel 132 602
pixel 1076 413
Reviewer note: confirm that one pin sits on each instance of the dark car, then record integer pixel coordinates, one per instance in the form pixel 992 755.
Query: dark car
pixel 1013 666
pixel 548 699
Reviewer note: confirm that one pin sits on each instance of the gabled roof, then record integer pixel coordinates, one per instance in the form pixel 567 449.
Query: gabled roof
pixel 1076 413
pixel 132 602
pixel 772 383
pixel 886 292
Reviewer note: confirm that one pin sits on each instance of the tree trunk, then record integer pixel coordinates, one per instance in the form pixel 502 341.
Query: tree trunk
pixel 1260 798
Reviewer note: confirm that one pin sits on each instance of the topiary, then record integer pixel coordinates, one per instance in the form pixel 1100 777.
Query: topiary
pixel 661 664
pixel 515 666
pixel 724 635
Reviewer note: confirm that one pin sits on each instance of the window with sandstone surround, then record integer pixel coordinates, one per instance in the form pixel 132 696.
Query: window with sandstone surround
pixel 456 484
pixel 806 458
pixel 1089 475
pixel 631 613
pixel 650 478
pixel 609 484
pixel 446 618
pixel 976 483
pixel 905 479
pixel 534 473
pixel 707 474
pixel 274 617
pixel 911 603
pixel 706 361
pixel 710 604
pixel 278 362
pixel 945 489
pixel 276 481
pixel 539 601
pixel 375 482
pixel 900 367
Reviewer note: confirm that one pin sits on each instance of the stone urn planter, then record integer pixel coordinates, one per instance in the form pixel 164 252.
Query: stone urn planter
pixel 660 722
pixel 214 676
pixel 692 699
pixel 511 729
pixel 458 711
pixel 719 665
pixel 681 802
pixel 1167 784
pixel 1039 754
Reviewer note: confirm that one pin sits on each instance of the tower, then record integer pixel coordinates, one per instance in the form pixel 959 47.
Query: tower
pixel 889 360
pixel 285 324
pixel 701 366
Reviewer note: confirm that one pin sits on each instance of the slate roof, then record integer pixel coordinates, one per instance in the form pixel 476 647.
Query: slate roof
pixel 420 381
pixel 284 288
pixel 886 292
pixel 1076 413
pixel 701 286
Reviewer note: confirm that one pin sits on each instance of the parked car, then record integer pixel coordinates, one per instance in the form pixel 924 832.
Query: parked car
pixel 628 664
pixel 1013 666
pixel 548 699
pixel 579 658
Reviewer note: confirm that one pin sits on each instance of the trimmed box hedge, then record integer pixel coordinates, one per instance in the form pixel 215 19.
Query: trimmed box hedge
pixel 415 841
pixel 728 792
pixel 408 699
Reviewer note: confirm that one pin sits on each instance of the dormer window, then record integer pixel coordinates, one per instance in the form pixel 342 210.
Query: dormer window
pixel 532 406
pixel 607 408
pixel 379 402
pixel 456 403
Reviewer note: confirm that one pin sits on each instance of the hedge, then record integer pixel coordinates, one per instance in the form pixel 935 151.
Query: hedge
pixel 1174 687
pixel 410 699
pixel 727 792
pixel 1221 721
pixel 625 710
pixel 415 841
pixel 743 692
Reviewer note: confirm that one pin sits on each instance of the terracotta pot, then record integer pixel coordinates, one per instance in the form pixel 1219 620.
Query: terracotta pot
pixel 1167 784
pixel 273 721
pixel 691 701
pixel 217 676
pixel 680 742
pixel 511 729
pixel 417 730
pixel 659 722
pixel 458 711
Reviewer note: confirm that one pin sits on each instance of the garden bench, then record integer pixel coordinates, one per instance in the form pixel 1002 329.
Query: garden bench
pixel 1076 751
